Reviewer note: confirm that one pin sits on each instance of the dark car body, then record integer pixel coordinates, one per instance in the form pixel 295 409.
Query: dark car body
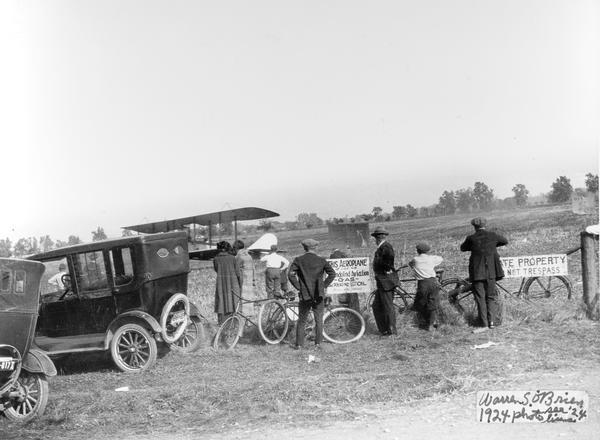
pixel 112 283
pixel 23 367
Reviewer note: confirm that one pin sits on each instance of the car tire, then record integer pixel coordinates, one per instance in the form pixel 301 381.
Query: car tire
pixel 35 387
pixel 168 333
pixel 133 349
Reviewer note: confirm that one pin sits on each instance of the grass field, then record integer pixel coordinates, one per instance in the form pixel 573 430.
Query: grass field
pixel 257 386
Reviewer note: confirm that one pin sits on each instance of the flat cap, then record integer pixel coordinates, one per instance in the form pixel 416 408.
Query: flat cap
pixel 478 222
pixel 379 230
pixel 273 247
pixel 423 247
pixel 310 243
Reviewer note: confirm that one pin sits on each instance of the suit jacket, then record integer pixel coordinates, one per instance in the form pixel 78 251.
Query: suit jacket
pixel 484 262
pixel 383 262
pixel 306 275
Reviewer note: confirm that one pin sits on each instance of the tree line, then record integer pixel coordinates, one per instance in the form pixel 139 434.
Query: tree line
pixel 480 197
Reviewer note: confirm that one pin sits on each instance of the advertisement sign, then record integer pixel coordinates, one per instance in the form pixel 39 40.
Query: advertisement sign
pixel 352 275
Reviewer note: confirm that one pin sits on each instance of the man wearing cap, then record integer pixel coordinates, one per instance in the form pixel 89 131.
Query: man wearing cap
pixel 427 299
pixel 275 265
pixel 484 269
pixel 386 279
pixel 306 275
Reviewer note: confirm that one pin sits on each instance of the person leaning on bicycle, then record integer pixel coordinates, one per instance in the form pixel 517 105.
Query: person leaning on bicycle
pixel 386 279
pixel 427 300
pixel 306 275
pixel 484 269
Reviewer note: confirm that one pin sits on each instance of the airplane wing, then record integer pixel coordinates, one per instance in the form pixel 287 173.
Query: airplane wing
pixel 204 254
pixel 231 215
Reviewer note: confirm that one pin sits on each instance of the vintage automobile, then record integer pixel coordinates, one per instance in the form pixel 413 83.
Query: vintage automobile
pixel 123 295
pixel 24 368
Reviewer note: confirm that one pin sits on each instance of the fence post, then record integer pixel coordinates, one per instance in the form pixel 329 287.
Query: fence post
pixel 589 271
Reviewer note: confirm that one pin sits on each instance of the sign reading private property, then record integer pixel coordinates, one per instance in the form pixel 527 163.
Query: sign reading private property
pixel 542 406
pixel 352 275
pixel 535 266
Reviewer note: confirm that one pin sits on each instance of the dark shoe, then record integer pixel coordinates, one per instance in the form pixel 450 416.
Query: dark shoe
pixel 317 346
pixel 492 325
pixel 386 334
pixel 297 347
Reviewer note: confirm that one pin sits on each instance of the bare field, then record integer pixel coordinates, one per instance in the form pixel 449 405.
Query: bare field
pixel 256 387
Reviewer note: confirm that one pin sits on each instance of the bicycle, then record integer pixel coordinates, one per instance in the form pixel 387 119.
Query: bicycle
pixel 231 329
pixel 460 293
pixel 341 325
pixel 404 296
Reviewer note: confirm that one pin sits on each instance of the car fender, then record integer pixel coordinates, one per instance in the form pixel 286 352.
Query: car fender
pixel 36 361
pixel 147 318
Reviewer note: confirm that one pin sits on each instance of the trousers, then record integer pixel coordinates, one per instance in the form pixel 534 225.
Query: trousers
pixel 384 312
pixel 304 308
pixel 486 298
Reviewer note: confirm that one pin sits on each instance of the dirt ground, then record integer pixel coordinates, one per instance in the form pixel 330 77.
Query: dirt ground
pixel 451 417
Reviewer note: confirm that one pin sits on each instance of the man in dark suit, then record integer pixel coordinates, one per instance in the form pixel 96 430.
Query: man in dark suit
pixel 387 279
pixel 484 269
pixel 306 275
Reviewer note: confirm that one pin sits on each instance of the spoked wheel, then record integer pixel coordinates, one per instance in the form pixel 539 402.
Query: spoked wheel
pixel 343 325
pixel 273 321
pixel 460 295
pixel 133 349
pixel 228 334
pixel 400 301
pixel 33 390
pixel 547 287
pixel 193 337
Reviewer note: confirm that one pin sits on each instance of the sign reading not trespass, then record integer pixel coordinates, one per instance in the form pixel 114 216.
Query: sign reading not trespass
pixel 352 275
pixel 535 265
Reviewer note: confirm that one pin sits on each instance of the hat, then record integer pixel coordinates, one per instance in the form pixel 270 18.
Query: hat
pixel 310 243
pixel 62 266
pixel 423 247
pixel 478 222
pixel 379 230
pixel 273 247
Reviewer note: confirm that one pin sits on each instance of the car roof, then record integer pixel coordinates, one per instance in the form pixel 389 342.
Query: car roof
pixel 105 244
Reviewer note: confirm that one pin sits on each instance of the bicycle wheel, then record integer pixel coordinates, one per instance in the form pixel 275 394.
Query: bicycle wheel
pixel 228 334
pixel 342 325
pixel 459 294
pixel 273 321
pixel 546 287
pixel 400 300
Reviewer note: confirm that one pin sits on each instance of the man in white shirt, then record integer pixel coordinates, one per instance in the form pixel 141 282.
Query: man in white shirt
pixel 56 282
pixel 427 299
pixel 276 264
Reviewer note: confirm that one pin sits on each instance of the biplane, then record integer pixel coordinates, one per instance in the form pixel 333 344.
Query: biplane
pixel 205 221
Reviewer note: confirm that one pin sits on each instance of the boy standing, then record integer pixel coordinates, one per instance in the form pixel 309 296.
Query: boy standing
pixel 427 300
pixel 276 264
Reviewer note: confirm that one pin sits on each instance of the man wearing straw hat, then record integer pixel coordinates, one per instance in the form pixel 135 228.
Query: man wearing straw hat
pixel 306 275
pixel 386 278
pixel 484 269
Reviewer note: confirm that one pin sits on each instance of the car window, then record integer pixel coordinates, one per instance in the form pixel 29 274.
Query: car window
pixel 5 284
pixel 52 280
pixel 121 265
pixel 90 271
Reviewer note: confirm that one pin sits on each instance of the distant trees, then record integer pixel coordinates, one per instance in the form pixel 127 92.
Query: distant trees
pixel 5 248
pixel 591 182
pixel 99 234
pixel 26 246
pixel 73 239
pixel 483 196
pixel 521 194
pixel 309 220
pixel 127 233
pixel 447 203
pixel 561 190
pixel 465 201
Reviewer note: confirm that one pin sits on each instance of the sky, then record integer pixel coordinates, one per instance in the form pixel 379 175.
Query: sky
pixel 122 112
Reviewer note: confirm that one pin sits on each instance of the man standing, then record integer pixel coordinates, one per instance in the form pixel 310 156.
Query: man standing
pixel 387 279
pixel 484 269
pixel 276 264
pixel 306 275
